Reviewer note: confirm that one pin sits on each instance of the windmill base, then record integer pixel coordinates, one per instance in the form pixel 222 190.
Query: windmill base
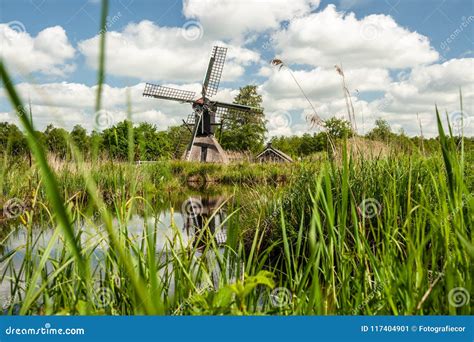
pixel 206 150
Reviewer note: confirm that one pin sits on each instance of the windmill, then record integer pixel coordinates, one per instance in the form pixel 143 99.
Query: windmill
pixel 207 114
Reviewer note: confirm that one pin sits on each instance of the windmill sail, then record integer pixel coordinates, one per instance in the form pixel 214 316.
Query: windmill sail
pixel 222 110
pixel 236 106
pixel 214 71
pixel 161 92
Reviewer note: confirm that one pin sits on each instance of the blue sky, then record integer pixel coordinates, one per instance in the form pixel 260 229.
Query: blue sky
pixel 400 57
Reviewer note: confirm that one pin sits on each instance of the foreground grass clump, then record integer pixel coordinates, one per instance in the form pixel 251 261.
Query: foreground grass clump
pixel 388 236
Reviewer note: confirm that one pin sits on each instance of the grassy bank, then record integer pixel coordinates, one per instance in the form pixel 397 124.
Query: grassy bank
pixel 156 180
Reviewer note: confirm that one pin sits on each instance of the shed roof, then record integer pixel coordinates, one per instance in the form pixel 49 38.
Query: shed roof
pixel 282 155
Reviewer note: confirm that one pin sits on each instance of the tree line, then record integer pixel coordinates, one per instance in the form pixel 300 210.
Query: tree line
pixel 240 132
pixel 149 143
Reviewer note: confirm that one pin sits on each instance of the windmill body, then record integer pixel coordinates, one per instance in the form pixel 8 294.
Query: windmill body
pixel 207 114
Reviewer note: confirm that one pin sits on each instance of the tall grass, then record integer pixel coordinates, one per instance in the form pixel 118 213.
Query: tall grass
pixel 389 236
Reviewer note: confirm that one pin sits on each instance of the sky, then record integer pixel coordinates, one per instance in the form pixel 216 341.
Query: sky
pixel 400 58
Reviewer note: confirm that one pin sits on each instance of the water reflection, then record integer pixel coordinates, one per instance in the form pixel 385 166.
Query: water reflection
pixel 196 213
pixel 205 211
pixel 189 219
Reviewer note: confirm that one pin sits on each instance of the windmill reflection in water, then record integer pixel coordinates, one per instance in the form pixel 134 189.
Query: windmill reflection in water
pixel 204 211
pixel 201 213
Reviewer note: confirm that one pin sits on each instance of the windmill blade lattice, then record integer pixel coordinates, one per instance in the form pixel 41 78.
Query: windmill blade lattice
pixel 221 113
pixel 161 92
pixel 214 71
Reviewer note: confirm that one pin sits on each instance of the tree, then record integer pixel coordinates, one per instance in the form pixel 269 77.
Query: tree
pixel 12 140
pixel 56 140
pixel 245 131
pixel 178 137
pixel 96 141
pixel 300 146
pixel 381 131
pixel 338 128
pixel 115 140
pixel 80 139
pixel 289 145
pixel 308 145
pixel 148 142
pixel 151 144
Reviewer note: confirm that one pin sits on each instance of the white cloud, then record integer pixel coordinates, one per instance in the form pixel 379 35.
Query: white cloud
pixel 417 93
pixel 225 19
pixel 329 37
pixel 425 87
pixel 322 84
pixel 59 116
pixel 323 88
pixel 368 48
pixel 154 53
pixel 287 108
pixel 49 52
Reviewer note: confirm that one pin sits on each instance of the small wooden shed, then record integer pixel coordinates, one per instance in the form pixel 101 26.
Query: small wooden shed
pixel 273 155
